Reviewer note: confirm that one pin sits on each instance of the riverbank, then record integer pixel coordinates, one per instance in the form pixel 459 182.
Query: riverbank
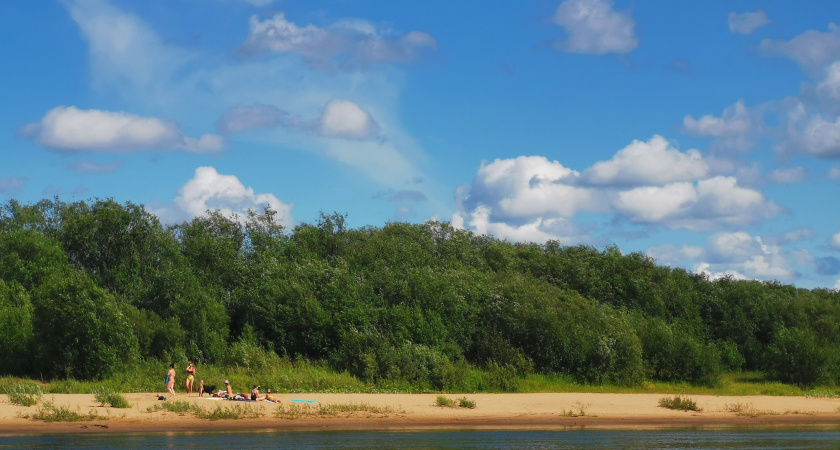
pixel 392 411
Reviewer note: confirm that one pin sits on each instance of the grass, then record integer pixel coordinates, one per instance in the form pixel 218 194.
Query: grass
pixel 295 411
pixel 284 376
pixel 24 394
pixel 581 410
pixel 679 403
pixel 183 407
pixel 50 412
pixel 110 398
pixel 444 401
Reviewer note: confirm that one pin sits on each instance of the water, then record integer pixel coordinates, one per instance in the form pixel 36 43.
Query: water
pixel 566 439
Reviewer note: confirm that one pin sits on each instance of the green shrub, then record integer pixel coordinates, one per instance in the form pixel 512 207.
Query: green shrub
pixel 679 403
pixel 445 401
pixel 463 402
pixel 110 398
pixel 49 412
pixel 24 394
pixel 796 356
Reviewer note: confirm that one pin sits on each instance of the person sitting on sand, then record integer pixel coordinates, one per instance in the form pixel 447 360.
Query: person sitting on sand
pixel 190 378
pixel 255 394
pixel 170 380
pixel 228 390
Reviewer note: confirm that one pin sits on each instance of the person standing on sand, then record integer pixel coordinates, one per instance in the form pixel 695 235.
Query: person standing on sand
pixel 170 380
pixel 190 378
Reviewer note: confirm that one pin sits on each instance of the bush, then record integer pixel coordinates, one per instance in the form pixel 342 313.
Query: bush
pixel 445 402
pixel 24 394
pixel 679 403
pixel 796 356
pixel 108 397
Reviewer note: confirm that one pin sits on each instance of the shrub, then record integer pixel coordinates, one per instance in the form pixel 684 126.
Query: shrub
pixel 679 403
pixel 463 402
pixel 445 401
pixel 108 397
pixel 24 395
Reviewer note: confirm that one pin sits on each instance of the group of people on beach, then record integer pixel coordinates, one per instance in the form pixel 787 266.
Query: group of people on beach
pixel 227 392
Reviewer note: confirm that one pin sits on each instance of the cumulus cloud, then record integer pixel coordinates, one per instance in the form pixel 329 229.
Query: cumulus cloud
pixel 703 268
pixel 812 50
pixel 788 176
pixel 208 189
pixel 346 119
pixel 834 173
pixel 594 27
pixel 829 88
pixel 12 184
pixel 645 163
pixel 347 44
pixel 742 255
pixel 95 167
pixel 732 129
pixel 705 205
pixel 796 235
pixel 746 23
pixel 69 129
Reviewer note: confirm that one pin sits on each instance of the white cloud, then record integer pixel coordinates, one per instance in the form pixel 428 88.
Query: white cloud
pixel 347 44
pixel 788 176
pixel 733 246
pixel 529 187
pixel 812 50
pixel 703 268
pixel 835 240
pixel 821 138
pixel 211 190
pixel 797 235
pixel 69 129
pixel 12 184
pixel 732 129
pixel 648 163
pixel 346 119
pixel 706 205
pixel 592 26
pixel 834 173
pixel 837 285
pixel 745 256
pixel 94 167
pixel 829 88
pixel 746 23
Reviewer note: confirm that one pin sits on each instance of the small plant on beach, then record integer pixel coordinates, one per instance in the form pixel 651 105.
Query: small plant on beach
pixel 228 413
pixel 679 403
pixel 50 412
pixel 464 402
pixel 445 402
pixel 581 410
pixel 111 398
pixel 24 394
pixel 748 410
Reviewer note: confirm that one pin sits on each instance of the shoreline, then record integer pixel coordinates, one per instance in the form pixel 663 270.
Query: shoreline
pixel 416 412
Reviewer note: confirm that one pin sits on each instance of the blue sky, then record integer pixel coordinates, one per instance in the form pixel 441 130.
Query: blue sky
pixel 705 134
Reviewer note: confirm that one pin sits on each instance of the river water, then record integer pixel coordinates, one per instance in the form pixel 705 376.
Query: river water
pixel 448 439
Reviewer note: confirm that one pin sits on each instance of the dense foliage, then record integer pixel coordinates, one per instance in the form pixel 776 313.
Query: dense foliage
pixel 88 288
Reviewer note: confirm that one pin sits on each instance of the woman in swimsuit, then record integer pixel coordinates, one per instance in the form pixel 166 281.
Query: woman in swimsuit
pixel 255 394
pixel 170 380
pixel 190 377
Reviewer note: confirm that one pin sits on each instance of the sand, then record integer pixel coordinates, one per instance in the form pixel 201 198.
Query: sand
pixel 418 411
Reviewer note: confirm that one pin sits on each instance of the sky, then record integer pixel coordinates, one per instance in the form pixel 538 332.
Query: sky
pixel 705 134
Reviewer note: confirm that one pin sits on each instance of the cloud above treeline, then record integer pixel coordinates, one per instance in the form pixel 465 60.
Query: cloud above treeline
pixel 649 183
pixel 69 129
pixel 210 190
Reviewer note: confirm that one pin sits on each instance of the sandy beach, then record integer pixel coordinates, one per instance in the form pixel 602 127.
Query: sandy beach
pixel 407 411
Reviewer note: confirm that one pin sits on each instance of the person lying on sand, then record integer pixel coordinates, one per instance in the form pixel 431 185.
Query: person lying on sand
pixel 270 397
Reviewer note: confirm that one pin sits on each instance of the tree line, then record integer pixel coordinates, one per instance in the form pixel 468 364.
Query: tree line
pixel 91 287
